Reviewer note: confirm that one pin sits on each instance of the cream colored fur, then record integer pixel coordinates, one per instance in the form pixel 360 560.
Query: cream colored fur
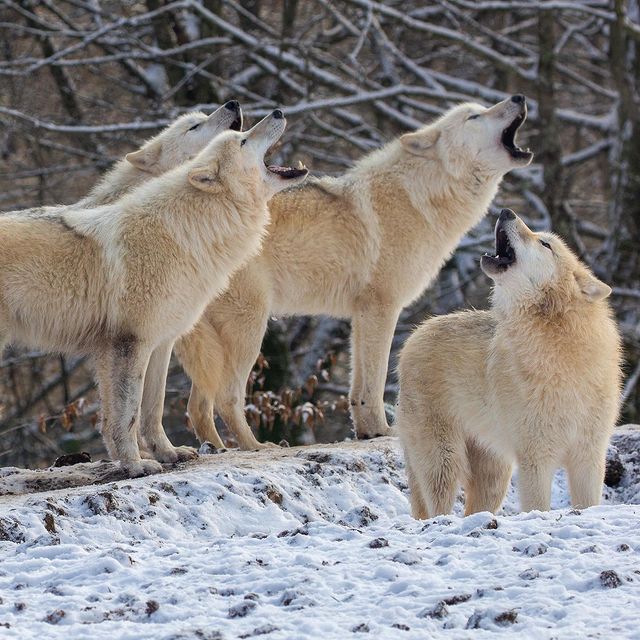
pixel 174 145
pixel 535 382
pixel 120 282
pixel 361 246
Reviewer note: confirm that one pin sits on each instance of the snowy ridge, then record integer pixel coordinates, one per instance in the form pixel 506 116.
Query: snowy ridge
pixel 312 542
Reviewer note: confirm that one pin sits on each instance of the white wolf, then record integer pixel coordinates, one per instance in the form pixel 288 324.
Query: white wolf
pixel 121 282
pixel 178 142
pixel 361 246
pixel 534 381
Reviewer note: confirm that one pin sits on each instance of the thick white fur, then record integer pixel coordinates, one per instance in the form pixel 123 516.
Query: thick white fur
pixel 535 382
pixel 361 246
pixel 174 145
pixel 120 282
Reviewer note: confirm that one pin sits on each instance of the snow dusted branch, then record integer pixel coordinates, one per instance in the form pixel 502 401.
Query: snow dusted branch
pixel 83 85
pixel 84 129
pixel 449 34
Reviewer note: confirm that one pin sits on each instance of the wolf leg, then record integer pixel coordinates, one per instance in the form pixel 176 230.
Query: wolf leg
pixel 242 347
pixel 534 482
pixel 435 451
pixel 445 466
pixel 103 376
pixel 151 429
pixel 230 334
pixel 120 370
pixel 231 409
pixel 487 482
pixel 201 354
pixel 418 505
pixel 585 469
pixel 230 397
pixel 372 328
pixel 200 410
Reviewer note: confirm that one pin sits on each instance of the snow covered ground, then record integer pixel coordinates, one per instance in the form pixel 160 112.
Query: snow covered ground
pixel 313 542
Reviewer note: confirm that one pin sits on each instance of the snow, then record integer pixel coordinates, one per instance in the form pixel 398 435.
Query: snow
pixel 312 542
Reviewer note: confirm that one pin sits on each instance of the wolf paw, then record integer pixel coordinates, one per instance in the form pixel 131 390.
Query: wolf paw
pixel 145 454
pixel 176 454
pixel 265 445
pixel 141 468
pixel 365 433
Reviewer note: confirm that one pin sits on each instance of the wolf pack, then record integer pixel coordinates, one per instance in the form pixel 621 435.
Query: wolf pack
pixel 189 244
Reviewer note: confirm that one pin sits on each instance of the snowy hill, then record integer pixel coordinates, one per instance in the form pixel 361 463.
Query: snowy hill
pixel 312 542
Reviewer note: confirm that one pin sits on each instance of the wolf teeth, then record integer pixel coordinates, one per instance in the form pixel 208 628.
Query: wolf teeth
pixel 301 165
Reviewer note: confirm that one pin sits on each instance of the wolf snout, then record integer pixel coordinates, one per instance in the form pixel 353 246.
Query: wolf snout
pixel 506 214
pixel 277 114
pixel 518 98
pixel 234 107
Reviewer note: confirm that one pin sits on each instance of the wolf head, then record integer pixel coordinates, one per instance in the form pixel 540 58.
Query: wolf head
pixel 532 268
pixel 473 138
pixel 234 162
pixel 185 138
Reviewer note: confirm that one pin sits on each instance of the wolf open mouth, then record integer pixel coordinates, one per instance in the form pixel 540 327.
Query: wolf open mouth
pixel 287 173
pixel 505 253
pixel 508 137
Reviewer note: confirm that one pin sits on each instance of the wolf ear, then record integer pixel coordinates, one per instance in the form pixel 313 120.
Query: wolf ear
pixel 419 142
pixel 205 178
pixel 146 158
pixel 592 288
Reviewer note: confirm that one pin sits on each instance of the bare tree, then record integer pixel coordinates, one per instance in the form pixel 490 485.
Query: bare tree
pixel 84 81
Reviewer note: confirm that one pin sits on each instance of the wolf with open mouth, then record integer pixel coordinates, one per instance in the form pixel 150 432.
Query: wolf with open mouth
pixel 532 382
pixel 360 246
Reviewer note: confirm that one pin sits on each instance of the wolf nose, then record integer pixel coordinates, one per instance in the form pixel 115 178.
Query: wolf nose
pixel 277 114
pixel 507 214
pixel 518 98
pixel 232 105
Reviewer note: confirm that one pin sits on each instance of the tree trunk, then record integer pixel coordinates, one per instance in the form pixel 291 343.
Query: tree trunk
pixel 549 153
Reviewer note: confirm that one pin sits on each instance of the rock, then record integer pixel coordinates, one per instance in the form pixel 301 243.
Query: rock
pixel 408 557
pixel 49 523
pixel 207 449
pixel 55 616
pixel 451 600
pixel 439 612
pixel 152 607
pixel 535 549
pixel 506 617
pixel 378 543
pixel 614 469
pixel 610 579
pixel 71 459
pixel 274 495
pixel 258 631
pixel 242 609
pixel 529 574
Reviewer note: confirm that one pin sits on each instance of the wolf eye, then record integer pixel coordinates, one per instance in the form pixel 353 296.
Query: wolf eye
pixel 477 115
pixel 195 126
pixel 545 244
pixel 243 142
